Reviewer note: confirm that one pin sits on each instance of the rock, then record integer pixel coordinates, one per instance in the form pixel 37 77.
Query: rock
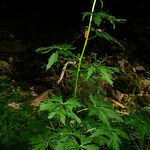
pixel 144 83
pixel 140 69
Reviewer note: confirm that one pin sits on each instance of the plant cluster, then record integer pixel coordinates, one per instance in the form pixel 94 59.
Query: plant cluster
pixel 84 119
pixel 18 122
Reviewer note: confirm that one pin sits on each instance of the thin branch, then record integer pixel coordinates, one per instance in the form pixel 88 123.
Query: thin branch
pixel 72 63
pixel 90 130
pixel 82 110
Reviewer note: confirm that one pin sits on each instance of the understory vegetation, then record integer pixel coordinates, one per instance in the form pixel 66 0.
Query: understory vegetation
pixel 77 113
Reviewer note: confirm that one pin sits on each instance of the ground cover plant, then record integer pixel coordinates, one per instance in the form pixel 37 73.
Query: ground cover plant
pixel 84 119
pixel 78 115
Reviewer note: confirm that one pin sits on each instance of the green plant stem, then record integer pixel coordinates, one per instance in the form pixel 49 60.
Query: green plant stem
pixel 83 50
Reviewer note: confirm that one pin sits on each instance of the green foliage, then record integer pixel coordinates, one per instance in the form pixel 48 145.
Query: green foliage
pixel 60 51
pixel 41 141
pixel 99 17
pixel 105 72
pixel 109 136
pixel 139 122
pixel 75 141
pixel 61 110
pixel 16 124
pixel 53 59
pixel 93 123
pixel 108 37
pixel 85 122
pixel 102 110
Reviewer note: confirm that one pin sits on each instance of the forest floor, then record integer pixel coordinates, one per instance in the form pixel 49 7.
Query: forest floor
pixel 24 79
pixel 25 66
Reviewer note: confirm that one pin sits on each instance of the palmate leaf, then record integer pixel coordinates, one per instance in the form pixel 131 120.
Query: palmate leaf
pixel 85 142
pixel 61 143
pixel 53 59
pixel 59 110
pixel 109 38
pixel 66 142
pixel 70 105
pixel 103 110
pixel 112 136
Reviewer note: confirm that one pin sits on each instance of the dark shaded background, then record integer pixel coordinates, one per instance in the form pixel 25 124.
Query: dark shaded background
pixel 41 16
pixel 37 23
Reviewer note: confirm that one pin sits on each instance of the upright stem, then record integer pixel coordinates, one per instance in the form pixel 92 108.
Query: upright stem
pixel 83 50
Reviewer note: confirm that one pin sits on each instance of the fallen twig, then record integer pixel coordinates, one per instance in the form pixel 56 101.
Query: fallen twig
pixel 72 63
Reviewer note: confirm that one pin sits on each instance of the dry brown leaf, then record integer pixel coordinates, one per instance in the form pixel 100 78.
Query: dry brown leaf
pixel 14 105
pixel 117 104
pixel 42 97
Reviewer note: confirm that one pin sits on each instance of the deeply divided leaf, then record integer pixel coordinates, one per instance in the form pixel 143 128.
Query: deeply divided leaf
pixel 52 60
